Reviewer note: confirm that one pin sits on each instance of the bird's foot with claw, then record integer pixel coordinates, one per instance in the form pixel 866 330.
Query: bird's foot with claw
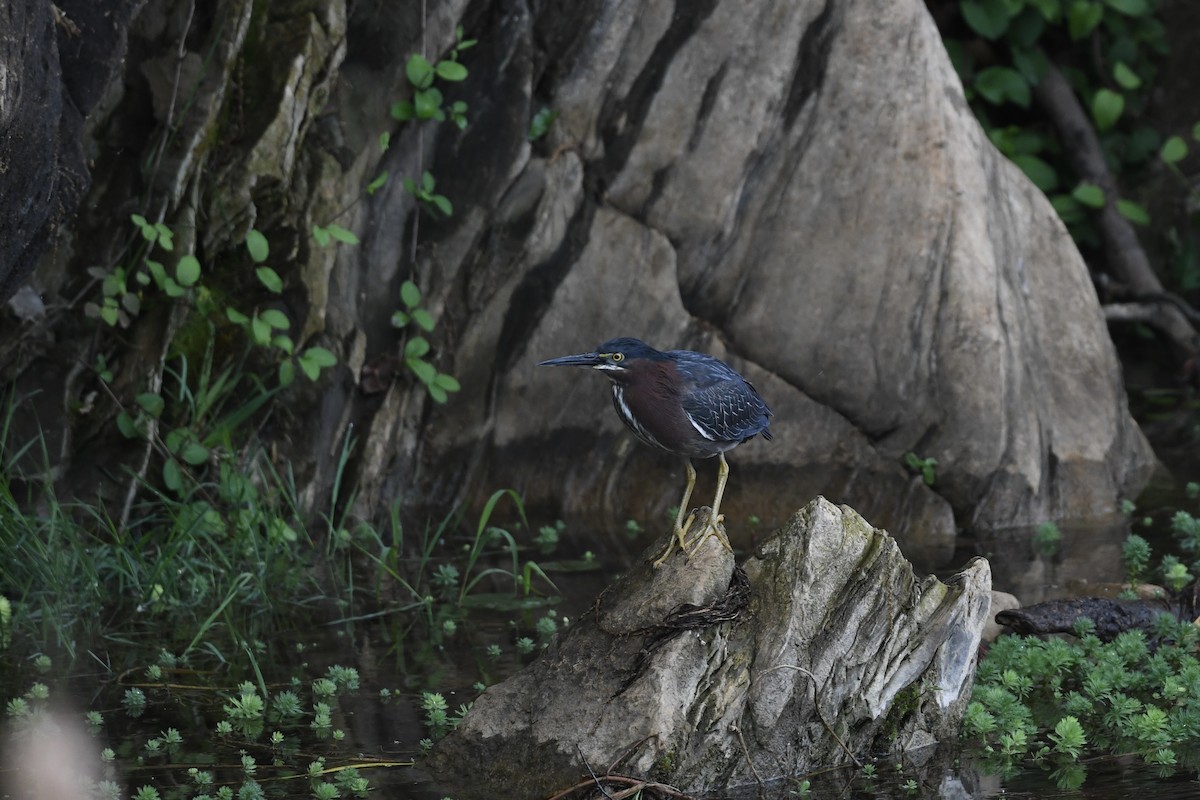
pixel 689 546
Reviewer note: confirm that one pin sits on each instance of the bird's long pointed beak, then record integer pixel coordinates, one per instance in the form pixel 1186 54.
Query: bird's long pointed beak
pixel 577 360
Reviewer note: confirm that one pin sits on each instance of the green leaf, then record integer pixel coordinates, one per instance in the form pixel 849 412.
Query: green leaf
pixel 1125 77
pixel 284 343
pixel 1089 194
pixel 422 369
pixel 1196 131
pixel 166 239
pixel 399 319
pixel 194 453
pixel 310 369
pixel 1130 8
pixel 172 477
pixel 320 235
pixel 1038 171
pixel 416 347
pixel 427 181
pixel 447 382
pixel 256 243
pixel 436 392
pixel 1032 64
pixel 157 271
pixel 320 356
pixel 988 18
pixel 419 71
pixel 1107 106
pixel 541 122
pixel 1026 28
pixel 151 403
pixel 187 271
pixel 385 140
pixel 110 314
pixel 410 294
pixel 1141 145
pixel 1051 9
pixel 127 426
pixel 1069 210
pixel 341 234
pixel 148 231
pixel 1083 17
pixel 1133 212
pixel 1174 150
pixel 276 319
pixel 287 373
pixel 270 279
pixel 401 112
pixel 260 331
pixel 176 438
pixel 379 181
pixel 1000 84
pixel 235 316
pixel 172 288
pixel 443 205
pixel 423 319
pixel 451 71
pixel 428 103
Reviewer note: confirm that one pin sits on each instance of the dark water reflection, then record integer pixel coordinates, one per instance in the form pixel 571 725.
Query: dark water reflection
pixel 1086 556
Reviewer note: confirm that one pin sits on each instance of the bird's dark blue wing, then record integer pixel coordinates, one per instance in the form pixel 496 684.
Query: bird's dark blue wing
pixel 720 403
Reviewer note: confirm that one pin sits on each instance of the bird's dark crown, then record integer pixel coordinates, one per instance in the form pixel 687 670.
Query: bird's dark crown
pixel 631 348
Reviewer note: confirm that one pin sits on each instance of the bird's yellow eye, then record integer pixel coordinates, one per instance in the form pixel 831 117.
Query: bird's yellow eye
pixel 618 356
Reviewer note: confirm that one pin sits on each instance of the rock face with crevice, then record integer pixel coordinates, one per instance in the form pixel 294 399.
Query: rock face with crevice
pixel 799 188
pixel 825 649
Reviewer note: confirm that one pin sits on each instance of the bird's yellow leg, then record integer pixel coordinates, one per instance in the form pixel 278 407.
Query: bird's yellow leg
pixel 713 526
pixel 681 528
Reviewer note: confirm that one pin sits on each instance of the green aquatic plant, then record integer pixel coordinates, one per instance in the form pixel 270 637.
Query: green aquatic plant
pixel 1053 701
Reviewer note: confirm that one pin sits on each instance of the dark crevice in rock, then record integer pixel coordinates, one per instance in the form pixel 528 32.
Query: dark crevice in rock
pixel 536 291
pixel 625 115
pixel 559 31
pixel 711 90
pixel 656 189
pixel 812 58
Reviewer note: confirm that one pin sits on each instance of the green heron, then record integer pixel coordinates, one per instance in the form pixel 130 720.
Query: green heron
pixel 686 403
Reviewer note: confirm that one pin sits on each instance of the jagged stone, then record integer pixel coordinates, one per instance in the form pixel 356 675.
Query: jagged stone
pixel 825 645
pixel 799 188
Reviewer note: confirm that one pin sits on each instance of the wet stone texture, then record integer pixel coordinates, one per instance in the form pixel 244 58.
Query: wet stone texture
pixel 822 645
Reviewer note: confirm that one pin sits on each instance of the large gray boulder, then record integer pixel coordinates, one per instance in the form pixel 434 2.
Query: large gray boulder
pixel 826 649
pixel 799 188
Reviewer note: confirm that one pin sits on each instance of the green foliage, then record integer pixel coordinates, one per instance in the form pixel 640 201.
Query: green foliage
pixel 416 348
pixel 1108 50
pixel 176 421
pixel 424 193
pixel 195 763
pixel 333 232
pixel 925 467
pixel 1047 538
pixel 428 102
pixel 1135 554
pixel 1053 701
pixel 539 126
